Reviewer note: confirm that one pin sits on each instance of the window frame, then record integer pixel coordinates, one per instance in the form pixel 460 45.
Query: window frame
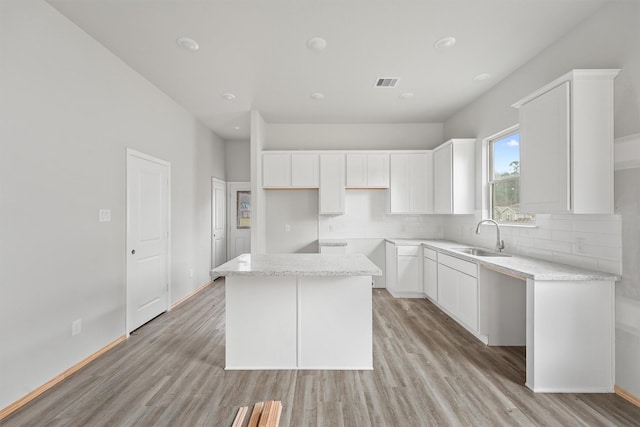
pixel 492 180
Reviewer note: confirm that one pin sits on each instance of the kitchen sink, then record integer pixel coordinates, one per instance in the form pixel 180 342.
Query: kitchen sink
pixel 480 252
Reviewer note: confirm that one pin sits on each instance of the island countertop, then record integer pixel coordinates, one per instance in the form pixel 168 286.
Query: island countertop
pixel 299 265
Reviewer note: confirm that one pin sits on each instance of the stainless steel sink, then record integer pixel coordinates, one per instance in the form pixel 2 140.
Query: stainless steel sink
pixel 480 252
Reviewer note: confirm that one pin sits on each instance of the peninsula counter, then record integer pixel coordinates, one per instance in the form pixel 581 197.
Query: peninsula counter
pixel 299 311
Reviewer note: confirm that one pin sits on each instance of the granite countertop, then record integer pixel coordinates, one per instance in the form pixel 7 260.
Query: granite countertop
pixel 518 266
pixel 299 265
pixel 332 242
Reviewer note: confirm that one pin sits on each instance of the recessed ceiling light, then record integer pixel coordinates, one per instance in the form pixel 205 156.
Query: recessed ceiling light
pixel 316 44
pixel 317 96
pixel 188 44
pixel 229 96
pixel 482 77
pixel 445 43
pixel 236 128
pixel 406 95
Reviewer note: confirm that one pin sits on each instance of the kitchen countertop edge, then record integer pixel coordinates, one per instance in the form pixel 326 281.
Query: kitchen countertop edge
pixel 309 265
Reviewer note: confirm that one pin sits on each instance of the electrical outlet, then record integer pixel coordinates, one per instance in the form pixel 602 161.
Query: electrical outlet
pixel 330 228
pixel 287 228
pixel 580 244
pixel 76 327
pixel 191 273
pixel 104 215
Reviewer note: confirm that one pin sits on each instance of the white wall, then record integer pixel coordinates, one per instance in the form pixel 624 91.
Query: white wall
pixel 354 136
pixel 238 161
pixel 69 110
pixel 602 247
pixel 258 208
pixel 300 212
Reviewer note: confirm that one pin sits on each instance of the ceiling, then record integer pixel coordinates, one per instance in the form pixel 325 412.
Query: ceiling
pixel 257 50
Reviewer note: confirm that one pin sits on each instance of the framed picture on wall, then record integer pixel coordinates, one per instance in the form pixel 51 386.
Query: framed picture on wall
pixel 244 209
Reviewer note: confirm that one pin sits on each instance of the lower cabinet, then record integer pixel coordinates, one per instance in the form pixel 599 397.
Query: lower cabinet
pixel 458 289
pixel 430 273
pixel 404 271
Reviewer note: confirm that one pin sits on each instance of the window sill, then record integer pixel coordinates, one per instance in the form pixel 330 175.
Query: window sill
pixel 510 224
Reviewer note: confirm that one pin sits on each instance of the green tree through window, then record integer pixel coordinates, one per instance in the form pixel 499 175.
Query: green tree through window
pixel 504 179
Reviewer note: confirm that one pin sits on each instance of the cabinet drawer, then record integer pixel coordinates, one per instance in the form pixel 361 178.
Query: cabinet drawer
pixel 408 250
pixel 466 267
pixel 429 253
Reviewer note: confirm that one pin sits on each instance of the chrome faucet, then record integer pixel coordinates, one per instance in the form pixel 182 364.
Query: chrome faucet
pixel 499 242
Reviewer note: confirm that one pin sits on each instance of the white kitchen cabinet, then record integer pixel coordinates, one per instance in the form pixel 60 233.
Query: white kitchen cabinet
pixel 403 270
pixel 276 170
pixel 305 170
pixel 290 170
pixel 411 183
pixel 367 170
pixel 409 279
pixel 454 177
pixel 332 183
pixel 430 274
pixel 458 289
pixel 566 143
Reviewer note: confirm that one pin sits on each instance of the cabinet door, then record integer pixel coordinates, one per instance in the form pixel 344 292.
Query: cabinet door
pixel 399 183
pixel 468 300
pixel 443 180
pixel 378 170
pixel 390 267
pixel 448 288
pixel 357 170
pixel 420 183
pixel 409 274
pixel 276 170
pixel 430 278
pixel 332 183
pixel 304 171
pixel 545 144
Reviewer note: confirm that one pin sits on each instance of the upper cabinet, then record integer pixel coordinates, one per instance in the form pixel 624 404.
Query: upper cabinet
pixel 566 145
pixel 332 183
pixel 367 170
pixel 411 183
pixel 454 177
pixel 290 170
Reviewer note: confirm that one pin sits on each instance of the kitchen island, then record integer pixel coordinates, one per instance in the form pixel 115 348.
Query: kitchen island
pixel 299 311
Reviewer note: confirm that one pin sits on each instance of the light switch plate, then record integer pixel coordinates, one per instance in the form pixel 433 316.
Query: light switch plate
pixel 104 215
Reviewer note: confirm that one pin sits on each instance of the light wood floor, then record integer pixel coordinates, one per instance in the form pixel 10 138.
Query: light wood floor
pixel 428 372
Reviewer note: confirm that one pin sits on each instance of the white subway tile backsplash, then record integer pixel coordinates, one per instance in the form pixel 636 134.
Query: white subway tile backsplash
pixel 587 241
pixel 606 226
pixel 365 217
pixel 553 245
pixel 610 266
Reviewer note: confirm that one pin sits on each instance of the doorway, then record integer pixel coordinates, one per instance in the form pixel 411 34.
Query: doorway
pixel 218 223
pixel 148 254
pixel 239 214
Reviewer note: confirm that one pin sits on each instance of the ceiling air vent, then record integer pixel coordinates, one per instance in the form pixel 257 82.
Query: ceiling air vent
pixel 387 82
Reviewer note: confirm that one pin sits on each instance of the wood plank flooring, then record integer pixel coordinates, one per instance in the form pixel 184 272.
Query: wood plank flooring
pixel 428 371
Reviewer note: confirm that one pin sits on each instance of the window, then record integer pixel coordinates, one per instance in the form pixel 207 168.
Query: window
pixel 504 178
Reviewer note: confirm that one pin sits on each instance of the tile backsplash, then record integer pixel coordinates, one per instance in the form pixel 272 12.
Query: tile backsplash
pixel 588 241
pixel 366 217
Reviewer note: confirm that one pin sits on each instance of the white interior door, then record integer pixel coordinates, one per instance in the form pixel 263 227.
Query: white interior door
pixel 148 207
pixel 218 223
pixel 239 236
